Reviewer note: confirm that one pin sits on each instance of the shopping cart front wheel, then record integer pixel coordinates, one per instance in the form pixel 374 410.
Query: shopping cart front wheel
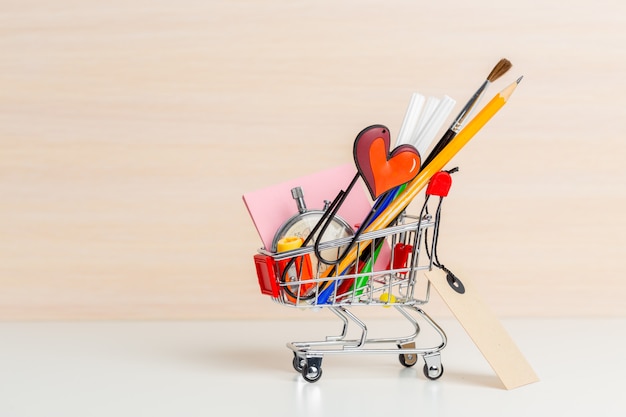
pixel 311 373
pixel 433 369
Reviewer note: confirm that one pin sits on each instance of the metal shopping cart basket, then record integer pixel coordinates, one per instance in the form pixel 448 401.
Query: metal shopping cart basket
pixel 296 278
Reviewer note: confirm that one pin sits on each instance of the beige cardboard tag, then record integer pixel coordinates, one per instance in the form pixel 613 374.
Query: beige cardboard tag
pixel 485 330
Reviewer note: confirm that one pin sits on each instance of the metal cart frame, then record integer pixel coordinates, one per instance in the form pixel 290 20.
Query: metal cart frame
pixel 296 279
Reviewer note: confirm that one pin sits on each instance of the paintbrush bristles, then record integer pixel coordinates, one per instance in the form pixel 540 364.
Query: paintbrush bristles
pixel 499 70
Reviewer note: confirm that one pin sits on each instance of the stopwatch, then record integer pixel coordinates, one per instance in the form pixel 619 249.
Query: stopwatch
pixel 301 224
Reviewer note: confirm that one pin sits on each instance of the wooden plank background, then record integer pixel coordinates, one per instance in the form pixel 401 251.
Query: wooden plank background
pixel 130 129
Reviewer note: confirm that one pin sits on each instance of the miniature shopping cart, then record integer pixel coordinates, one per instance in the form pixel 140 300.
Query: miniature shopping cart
pixel 298 278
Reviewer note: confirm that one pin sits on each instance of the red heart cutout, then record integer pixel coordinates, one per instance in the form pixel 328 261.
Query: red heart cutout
pixel 380 169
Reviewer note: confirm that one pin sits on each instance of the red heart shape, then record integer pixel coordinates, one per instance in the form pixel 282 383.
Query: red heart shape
pixel 380 169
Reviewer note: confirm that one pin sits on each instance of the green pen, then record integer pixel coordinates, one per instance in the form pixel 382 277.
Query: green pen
pixel 361 282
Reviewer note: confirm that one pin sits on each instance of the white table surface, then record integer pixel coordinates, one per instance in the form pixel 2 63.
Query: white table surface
pixel 243 368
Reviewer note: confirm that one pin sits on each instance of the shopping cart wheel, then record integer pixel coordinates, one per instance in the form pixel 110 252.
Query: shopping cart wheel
pixel 407 359
pixel 433 369
pixel 297 363
pixel 433 372
pixel 312 369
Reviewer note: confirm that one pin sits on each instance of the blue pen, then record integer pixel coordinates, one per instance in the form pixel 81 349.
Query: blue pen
pixel 388 198
pixel 326 294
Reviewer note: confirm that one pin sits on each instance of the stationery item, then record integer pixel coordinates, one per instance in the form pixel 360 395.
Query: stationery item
pixel 501 68
pixel 484 329
pixel 427 133
pixel 380 169
pixel 400 255
pixel 304 227
pixel 271 206
pixel 381 204
pixel 498 70
pixel 401 252
pixel 288 243
pixel 328 292
pixel 388 299
pixel 302 224
pixel 266 274
pixel 298 270
pixel 400 203
pixel 432 103
pixel 411 118
pixel 361 282
pixel 366 264
pixel 345 285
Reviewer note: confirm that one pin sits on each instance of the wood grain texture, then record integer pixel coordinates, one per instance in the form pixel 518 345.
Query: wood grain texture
pixel 130 129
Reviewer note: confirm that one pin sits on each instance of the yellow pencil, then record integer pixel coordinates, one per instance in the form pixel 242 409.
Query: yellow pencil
pixel 421 180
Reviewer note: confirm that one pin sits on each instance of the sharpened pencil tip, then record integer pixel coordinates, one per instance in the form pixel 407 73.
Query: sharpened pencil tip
pixel 519 79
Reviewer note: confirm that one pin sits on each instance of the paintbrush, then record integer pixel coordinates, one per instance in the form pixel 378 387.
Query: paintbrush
pixel 498 71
